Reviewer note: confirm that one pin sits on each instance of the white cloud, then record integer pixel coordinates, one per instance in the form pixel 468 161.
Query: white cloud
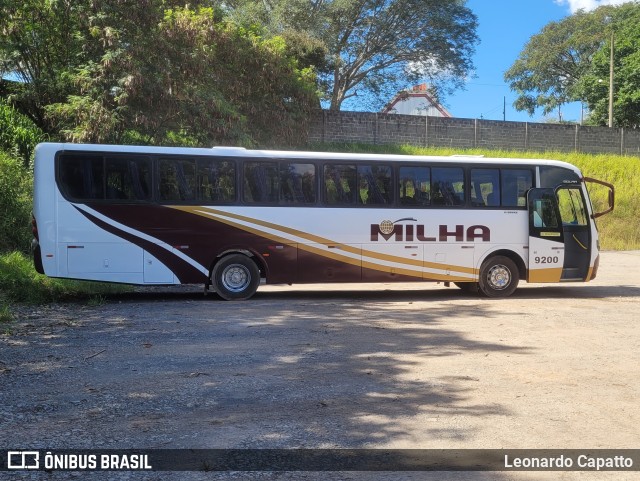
pixel 588 5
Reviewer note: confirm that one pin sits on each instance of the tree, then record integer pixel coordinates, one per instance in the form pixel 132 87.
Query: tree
pixel 548 68
pixel 39 46
pixel 594 85
pixel 548 72
pixel 153 71
pixel 377 46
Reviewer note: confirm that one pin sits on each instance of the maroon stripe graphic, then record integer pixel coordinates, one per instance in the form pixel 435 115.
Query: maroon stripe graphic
pixel 184 271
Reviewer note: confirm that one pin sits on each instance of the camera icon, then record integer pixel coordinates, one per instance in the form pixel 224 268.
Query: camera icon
pixel 23 460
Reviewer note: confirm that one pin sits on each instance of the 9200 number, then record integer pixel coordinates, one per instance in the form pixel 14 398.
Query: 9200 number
pixel 546 260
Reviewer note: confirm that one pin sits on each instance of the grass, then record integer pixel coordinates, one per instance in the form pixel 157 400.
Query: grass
pixel 5 313
pixel 619 230
pixel 19 282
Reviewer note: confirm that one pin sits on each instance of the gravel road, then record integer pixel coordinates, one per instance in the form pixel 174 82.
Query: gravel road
pixel 323 366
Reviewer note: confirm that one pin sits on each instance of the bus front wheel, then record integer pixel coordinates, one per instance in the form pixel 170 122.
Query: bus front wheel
pixel 498 277
pixel 235 277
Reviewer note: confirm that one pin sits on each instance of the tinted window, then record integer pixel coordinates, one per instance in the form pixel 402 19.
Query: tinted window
pixel 554 176
pixel 447 186
pixel 261 182
pixel 177 179
pixel 127 178
pixel 216 180
pixel 414 186
pixel 515 184
pixel 340 184
pixel 374 184
pixel 485 187
pixel 297 183
pixel 82 176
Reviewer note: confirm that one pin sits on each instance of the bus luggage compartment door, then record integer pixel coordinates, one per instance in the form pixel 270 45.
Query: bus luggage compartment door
pixel 546 237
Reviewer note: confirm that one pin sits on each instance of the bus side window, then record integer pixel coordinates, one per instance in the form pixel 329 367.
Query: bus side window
pixel 447 186
pixel 414 186
pixel 485 187
pixel 515 184
pixel 216 180
pixel 127 178
pixel 339 184
pixel 177 179
pixel 81 177
pixel 261 182
pixel 297 183
pixel 374 183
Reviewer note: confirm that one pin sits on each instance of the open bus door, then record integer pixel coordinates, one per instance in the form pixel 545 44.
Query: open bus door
pixel 560 233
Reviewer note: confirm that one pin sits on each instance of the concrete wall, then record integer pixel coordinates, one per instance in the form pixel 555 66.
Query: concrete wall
pixel 374 128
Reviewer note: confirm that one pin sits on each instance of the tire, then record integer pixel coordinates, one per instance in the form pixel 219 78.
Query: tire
pixel 468 287
pixel 235 277
pixel 499 277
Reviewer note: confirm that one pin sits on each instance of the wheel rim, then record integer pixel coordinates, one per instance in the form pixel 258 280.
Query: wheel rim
pixel 499 277
pixel 236 278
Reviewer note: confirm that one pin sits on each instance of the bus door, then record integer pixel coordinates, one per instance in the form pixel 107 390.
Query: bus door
pixel 546 237
pixel 577 233
pixel 559 235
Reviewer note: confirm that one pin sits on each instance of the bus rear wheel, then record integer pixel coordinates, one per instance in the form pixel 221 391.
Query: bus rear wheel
pixel 499 277
pixel 235 277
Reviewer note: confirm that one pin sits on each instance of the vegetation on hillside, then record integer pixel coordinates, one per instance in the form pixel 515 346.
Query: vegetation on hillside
pixel 19 281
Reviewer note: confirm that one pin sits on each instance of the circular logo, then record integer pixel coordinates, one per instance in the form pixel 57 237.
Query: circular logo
pixel 386 227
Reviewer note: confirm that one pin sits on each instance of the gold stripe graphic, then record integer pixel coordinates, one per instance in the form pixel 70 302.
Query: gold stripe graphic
pixel 220 216
pixel 551 274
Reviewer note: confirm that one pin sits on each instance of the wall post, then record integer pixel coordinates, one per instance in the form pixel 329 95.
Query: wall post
pixel 475 133
pixel 375 129
pixel 324 125
pixel 426 131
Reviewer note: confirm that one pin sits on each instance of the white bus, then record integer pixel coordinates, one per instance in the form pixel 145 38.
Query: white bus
pixel 232 218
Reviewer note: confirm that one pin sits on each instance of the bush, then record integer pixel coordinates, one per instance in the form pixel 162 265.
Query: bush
pixel 18 134
pixel 16 185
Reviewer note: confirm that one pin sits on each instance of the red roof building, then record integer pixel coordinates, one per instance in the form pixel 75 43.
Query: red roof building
pixel 416 101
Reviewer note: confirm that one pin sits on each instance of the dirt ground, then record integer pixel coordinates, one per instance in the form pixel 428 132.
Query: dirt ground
pixel 323 366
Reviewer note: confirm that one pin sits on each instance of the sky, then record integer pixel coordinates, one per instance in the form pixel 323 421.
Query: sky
pixel 504 28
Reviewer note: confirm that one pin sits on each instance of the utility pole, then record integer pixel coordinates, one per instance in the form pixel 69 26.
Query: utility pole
pixel 611 85
pixel 504 108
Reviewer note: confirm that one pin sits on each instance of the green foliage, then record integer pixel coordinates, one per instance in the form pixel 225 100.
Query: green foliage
pixel 376 47
pixel 163 76
pixel 5 313
pixel 619 230
pixel 18 134
pixel 19 282
pixel 569 61
pixel 594 86
pixel 15 204
pixel 41 46
pixel 552 62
